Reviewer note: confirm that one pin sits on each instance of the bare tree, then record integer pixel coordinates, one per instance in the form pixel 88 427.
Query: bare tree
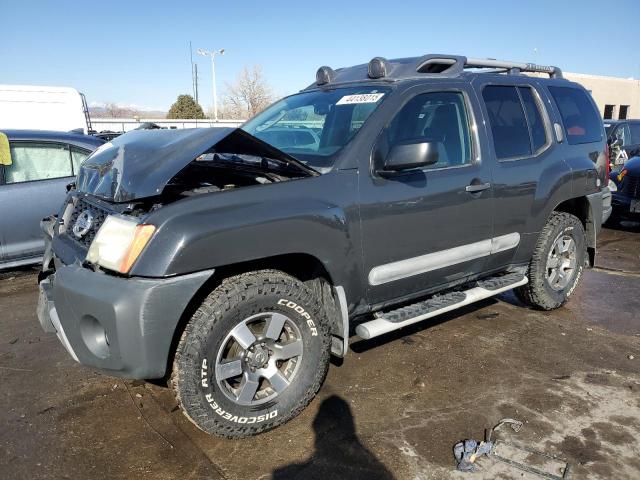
pixel 113 110
pixel 248 95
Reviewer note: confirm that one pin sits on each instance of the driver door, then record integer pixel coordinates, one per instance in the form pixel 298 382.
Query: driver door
pixel 431 226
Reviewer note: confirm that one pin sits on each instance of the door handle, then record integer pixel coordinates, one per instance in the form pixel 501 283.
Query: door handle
pixel 477 187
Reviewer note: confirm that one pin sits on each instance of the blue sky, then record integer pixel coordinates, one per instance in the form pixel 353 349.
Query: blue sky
pixel 136 52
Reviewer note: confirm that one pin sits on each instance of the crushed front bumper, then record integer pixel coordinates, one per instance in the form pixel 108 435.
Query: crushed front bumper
pixel 123 326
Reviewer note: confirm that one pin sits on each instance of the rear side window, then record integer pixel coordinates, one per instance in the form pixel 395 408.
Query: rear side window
pixel 582 123
pixel 508 121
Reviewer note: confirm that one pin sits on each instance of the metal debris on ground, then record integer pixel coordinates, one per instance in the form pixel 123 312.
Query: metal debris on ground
pixel 467 452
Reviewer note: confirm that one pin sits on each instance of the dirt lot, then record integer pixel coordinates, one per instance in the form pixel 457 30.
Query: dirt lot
pixel 393 409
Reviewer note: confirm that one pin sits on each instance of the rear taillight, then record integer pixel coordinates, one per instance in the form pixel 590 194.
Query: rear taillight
pixel 607 159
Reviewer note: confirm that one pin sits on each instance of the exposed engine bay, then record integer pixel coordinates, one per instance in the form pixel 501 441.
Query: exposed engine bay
pixel 215 172
pixel 156 167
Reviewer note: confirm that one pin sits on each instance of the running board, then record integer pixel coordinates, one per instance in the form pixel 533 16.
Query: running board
pixel 386 322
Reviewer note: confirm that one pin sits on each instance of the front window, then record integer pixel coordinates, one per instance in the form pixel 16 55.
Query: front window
pixel 314 126
pixel 436 117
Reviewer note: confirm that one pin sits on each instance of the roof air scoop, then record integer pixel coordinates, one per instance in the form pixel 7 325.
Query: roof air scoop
pixel 378 67
pixel 325 75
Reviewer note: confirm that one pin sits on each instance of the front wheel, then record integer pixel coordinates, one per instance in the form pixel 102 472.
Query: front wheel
pixel 252 356
pixel 557 263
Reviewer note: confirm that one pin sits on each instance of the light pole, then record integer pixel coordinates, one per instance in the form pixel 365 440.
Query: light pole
pixel 212 54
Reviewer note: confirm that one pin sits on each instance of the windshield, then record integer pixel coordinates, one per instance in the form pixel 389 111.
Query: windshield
pixel 313 126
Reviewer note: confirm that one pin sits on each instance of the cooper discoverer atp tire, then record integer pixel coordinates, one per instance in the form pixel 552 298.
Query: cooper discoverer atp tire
pixel 557 263
pixel 252 356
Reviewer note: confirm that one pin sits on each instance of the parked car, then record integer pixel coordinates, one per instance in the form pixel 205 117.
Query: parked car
pixel 623 137
pixel 237 266
pixel 626 192
pixel 36 168
pixel 108 135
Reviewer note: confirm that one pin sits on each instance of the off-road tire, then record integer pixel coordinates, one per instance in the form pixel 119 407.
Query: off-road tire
pixel 538 293
pixel 236 298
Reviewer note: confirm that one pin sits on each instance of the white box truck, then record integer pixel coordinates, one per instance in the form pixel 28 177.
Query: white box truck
pixel 43 108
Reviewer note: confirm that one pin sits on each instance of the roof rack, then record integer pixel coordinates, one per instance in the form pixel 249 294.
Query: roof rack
pixel 513 67
pixel 380 68
pixel 456 64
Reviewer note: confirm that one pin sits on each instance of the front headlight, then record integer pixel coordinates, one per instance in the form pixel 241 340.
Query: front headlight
pixel 118 243
pixel 612 186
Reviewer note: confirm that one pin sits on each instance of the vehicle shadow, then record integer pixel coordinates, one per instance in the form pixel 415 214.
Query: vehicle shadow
pixel 623 225
pixel 338 452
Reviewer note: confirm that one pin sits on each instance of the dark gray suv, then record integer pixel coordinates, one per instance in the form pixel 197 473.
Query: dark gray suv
pixel 237 260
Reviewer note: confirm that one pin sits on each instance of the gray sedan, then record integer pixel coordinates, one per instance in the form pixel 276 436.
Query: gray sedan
pixel 35 168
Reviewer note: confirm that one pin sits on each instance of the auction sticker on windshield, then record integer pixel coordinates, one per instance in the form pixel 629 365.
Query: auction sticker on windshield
pixel 361 98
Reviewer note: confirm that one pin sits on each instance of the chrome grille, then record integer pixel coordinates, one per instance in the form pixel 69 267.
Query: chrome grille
pixel 99 215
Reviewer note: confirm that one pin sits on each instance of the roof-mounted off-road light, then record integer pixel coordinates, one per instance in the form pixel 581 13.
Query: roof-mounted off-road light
pixel 378 67
pixel 324 75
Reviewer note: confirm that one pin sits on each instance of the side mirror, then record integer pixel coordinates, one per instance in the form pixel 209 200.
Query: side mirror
pixel 407 156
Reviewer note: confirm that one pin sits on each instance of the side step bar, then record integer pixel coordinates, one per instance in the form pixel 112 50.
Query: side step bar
pixel 392 320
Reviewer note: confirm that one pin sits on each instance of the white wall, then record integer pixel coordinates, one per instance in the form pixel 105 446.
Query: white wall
pixel 611 91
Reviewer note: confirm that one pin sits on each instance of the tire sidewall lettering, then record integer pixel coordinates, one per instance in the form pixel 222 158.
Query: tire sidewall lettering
pixel 302 312
pixel 208 385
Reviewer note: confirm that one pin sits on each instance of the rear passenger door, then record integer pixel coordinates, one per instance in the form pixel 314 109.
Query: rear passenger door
pixel 526 169
pixel 32 188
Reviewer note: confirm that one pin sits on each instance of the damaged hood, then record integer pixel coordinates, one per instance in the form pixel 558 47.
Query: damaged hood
pixel 140 163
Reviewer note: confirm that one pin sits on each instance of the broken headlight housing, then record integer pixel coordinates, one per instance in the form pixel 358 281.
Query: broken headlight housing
pixel 118 243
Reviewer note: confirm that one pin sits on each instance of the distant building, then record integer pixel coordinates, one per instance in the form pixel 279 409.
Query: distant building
pixel 617 98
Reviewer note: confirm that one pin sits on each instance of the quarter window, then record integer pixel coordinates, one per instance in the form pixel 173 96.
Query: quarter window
pixel 622 133
pixel 435 117
pixel 77 157
pixel 581 120
pixel 508 121
pixel 37 161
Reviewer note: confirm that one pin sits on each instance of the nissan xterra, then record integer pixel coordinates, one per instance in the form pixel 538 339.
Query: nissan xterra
pixel 236 261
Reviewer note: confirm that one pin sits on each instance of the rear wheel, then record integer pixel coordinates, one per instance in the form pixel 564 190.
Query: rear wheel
pixel 253 355
pixel 557 263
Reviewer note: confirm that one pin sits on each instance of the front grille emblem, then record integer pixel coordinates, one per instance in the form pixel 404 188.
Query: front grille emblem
pixel 83 224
